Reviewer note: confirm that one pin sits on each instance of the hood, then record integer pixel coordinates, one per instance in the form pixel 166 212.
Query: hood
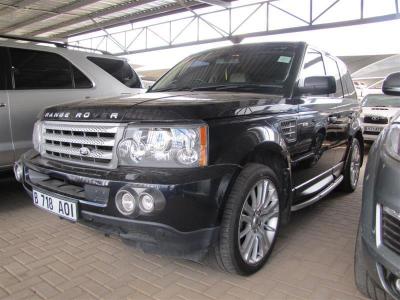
pixel 387 112
pixel 168 107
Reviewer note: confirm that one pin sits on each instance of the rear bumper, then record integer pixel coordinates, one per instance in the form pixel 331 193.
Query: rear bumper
pixel 187 225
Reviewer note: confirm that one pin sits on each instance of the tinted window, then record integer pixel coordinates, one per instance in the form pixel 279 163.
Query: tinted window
pixel 332 70
pixel 33 69
pixel 243 68
pixel 80 80
pixel 119 69
pixel 313 65
pixel 40 70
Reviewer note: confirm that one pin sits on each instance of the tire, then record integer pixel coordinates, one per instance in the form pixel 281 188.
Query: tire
pixel 231 249
pixel 348 184
pixel 365 284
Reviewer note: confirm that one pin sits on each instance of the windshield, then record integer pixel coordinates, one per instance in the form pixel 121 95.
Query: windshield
pixel 256 69
pixel 381 101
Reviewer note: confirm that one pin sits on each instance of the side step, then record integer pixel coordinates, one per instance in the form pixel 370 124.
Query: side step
pixel 321 195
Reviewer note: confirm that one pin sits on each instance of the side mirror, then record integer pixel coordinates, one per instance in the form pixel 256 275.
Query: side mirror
pixel 391 85
pixel 318 85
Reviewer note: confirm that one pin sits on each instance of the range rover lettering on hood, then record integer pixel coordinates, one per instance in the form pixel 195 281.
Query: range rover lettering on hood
pixel 80 115
pixel 166 107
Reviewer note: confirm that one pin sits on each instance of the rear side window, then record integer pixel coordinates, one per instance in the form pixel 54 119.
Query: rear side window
pixel 119 69
pixel 80 80
pixel 333 70
pixel 32 69
pixel 348 84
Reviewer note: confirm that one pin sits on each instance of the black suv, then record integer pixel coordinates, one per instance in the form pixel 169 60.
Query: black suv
pixel 213 159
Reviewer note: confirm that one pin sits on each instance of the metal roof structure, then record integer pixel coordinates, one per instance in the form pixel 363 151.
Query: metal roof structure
pixel 61 20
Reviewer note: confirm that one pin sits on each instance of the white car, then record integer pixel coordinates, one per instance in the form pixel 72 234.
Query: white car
pixel 33 77
pixel 377 112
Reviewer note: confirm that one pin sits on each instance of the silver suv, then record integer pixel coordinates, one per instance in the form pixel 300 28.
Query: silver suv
pixel 33 77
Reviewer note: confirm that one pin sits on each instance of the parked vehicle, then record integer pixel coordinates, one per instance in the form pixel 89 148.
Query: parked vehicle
pixel 377 111
pixel 377 254
pixel 33 77
pixel 213 159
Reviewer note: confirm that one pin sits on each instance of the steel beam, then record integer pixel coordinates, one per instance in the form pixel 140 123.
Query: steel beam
pixel 217 3
pixel 46 15
pixel 272 32
pixel 202 22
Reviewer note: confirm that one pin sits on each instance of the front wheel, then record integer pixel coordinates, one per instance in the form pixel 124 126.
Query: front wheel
pixel 251 221
pixel 352 168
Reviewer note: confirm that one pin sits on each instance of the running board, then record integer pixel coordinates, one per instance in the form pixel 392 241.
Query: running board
pixel 321 195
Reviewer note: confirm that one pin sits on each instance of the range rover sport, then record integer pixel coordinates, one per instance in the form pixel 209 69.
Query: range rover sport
pixel 213 159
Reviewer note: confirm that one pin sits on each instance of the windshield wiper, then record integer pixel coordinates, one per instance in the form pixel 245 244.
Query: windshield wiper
pixel 222 87
pixel 172 89
pixel 207 87
pixel 248 86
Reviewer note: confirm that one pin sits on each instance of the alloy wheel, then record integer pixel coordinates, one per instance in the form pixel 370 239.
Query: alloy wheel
pixel 258 221
pixel 355 165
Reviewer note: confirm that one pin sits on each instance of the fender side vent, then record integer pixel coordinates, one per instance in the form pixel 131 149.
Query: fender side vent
pixel 289 130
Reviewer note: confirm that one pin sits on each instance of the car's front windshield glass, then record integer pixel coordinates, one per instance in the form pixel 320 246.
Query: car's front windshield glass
pixel 381 101
pixel 255 68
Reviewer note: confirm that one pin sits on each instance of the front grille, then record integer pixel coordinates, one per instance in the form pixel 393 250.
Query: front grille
pixel 376 120
pixel 82 143
pixel 289 130
pixel 391 229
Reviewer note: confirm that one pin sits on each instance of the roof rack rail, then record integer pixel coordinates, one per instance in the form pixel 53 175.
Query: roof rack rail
pixel 57 44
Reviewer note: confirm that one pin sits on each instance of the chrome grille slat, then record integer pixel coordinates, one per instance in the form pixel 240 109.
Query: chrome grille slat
pixel 82 128
pixel 96 141
pixel 75 152
pixel 81 143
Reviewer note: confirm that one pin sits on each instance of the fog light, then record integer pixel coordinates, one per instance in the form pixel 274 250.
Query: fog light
pixel 125 201
pixel 18 171
pixel 151 200
pixel 146 203
pixel 397 283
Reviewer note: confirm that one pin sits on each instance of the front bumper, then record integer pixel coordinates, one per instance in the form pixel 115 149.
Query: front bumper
pixel 381 189
pixel 185 227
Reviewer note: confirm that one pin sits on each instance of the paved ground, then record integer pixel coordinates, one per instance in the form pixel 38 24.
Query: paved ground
pixel 44 257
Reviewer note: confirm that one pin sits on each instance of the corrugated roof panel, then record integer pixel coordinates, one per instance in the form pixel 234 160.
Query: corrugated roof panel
pixel 21 14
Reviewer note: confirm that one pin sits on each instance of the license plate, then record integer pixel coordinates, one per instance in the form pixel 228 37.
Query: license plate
pixel 373 129
pixel 62 208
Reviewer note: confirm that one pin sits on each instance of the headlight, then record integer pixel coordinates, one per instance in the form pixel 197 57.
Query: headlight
pixel 37 136
pixel 392 141
pixel 164 146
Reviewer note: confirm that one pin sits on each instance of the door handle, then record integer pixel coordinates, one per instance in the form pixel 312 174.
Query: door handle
pixel 2 105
